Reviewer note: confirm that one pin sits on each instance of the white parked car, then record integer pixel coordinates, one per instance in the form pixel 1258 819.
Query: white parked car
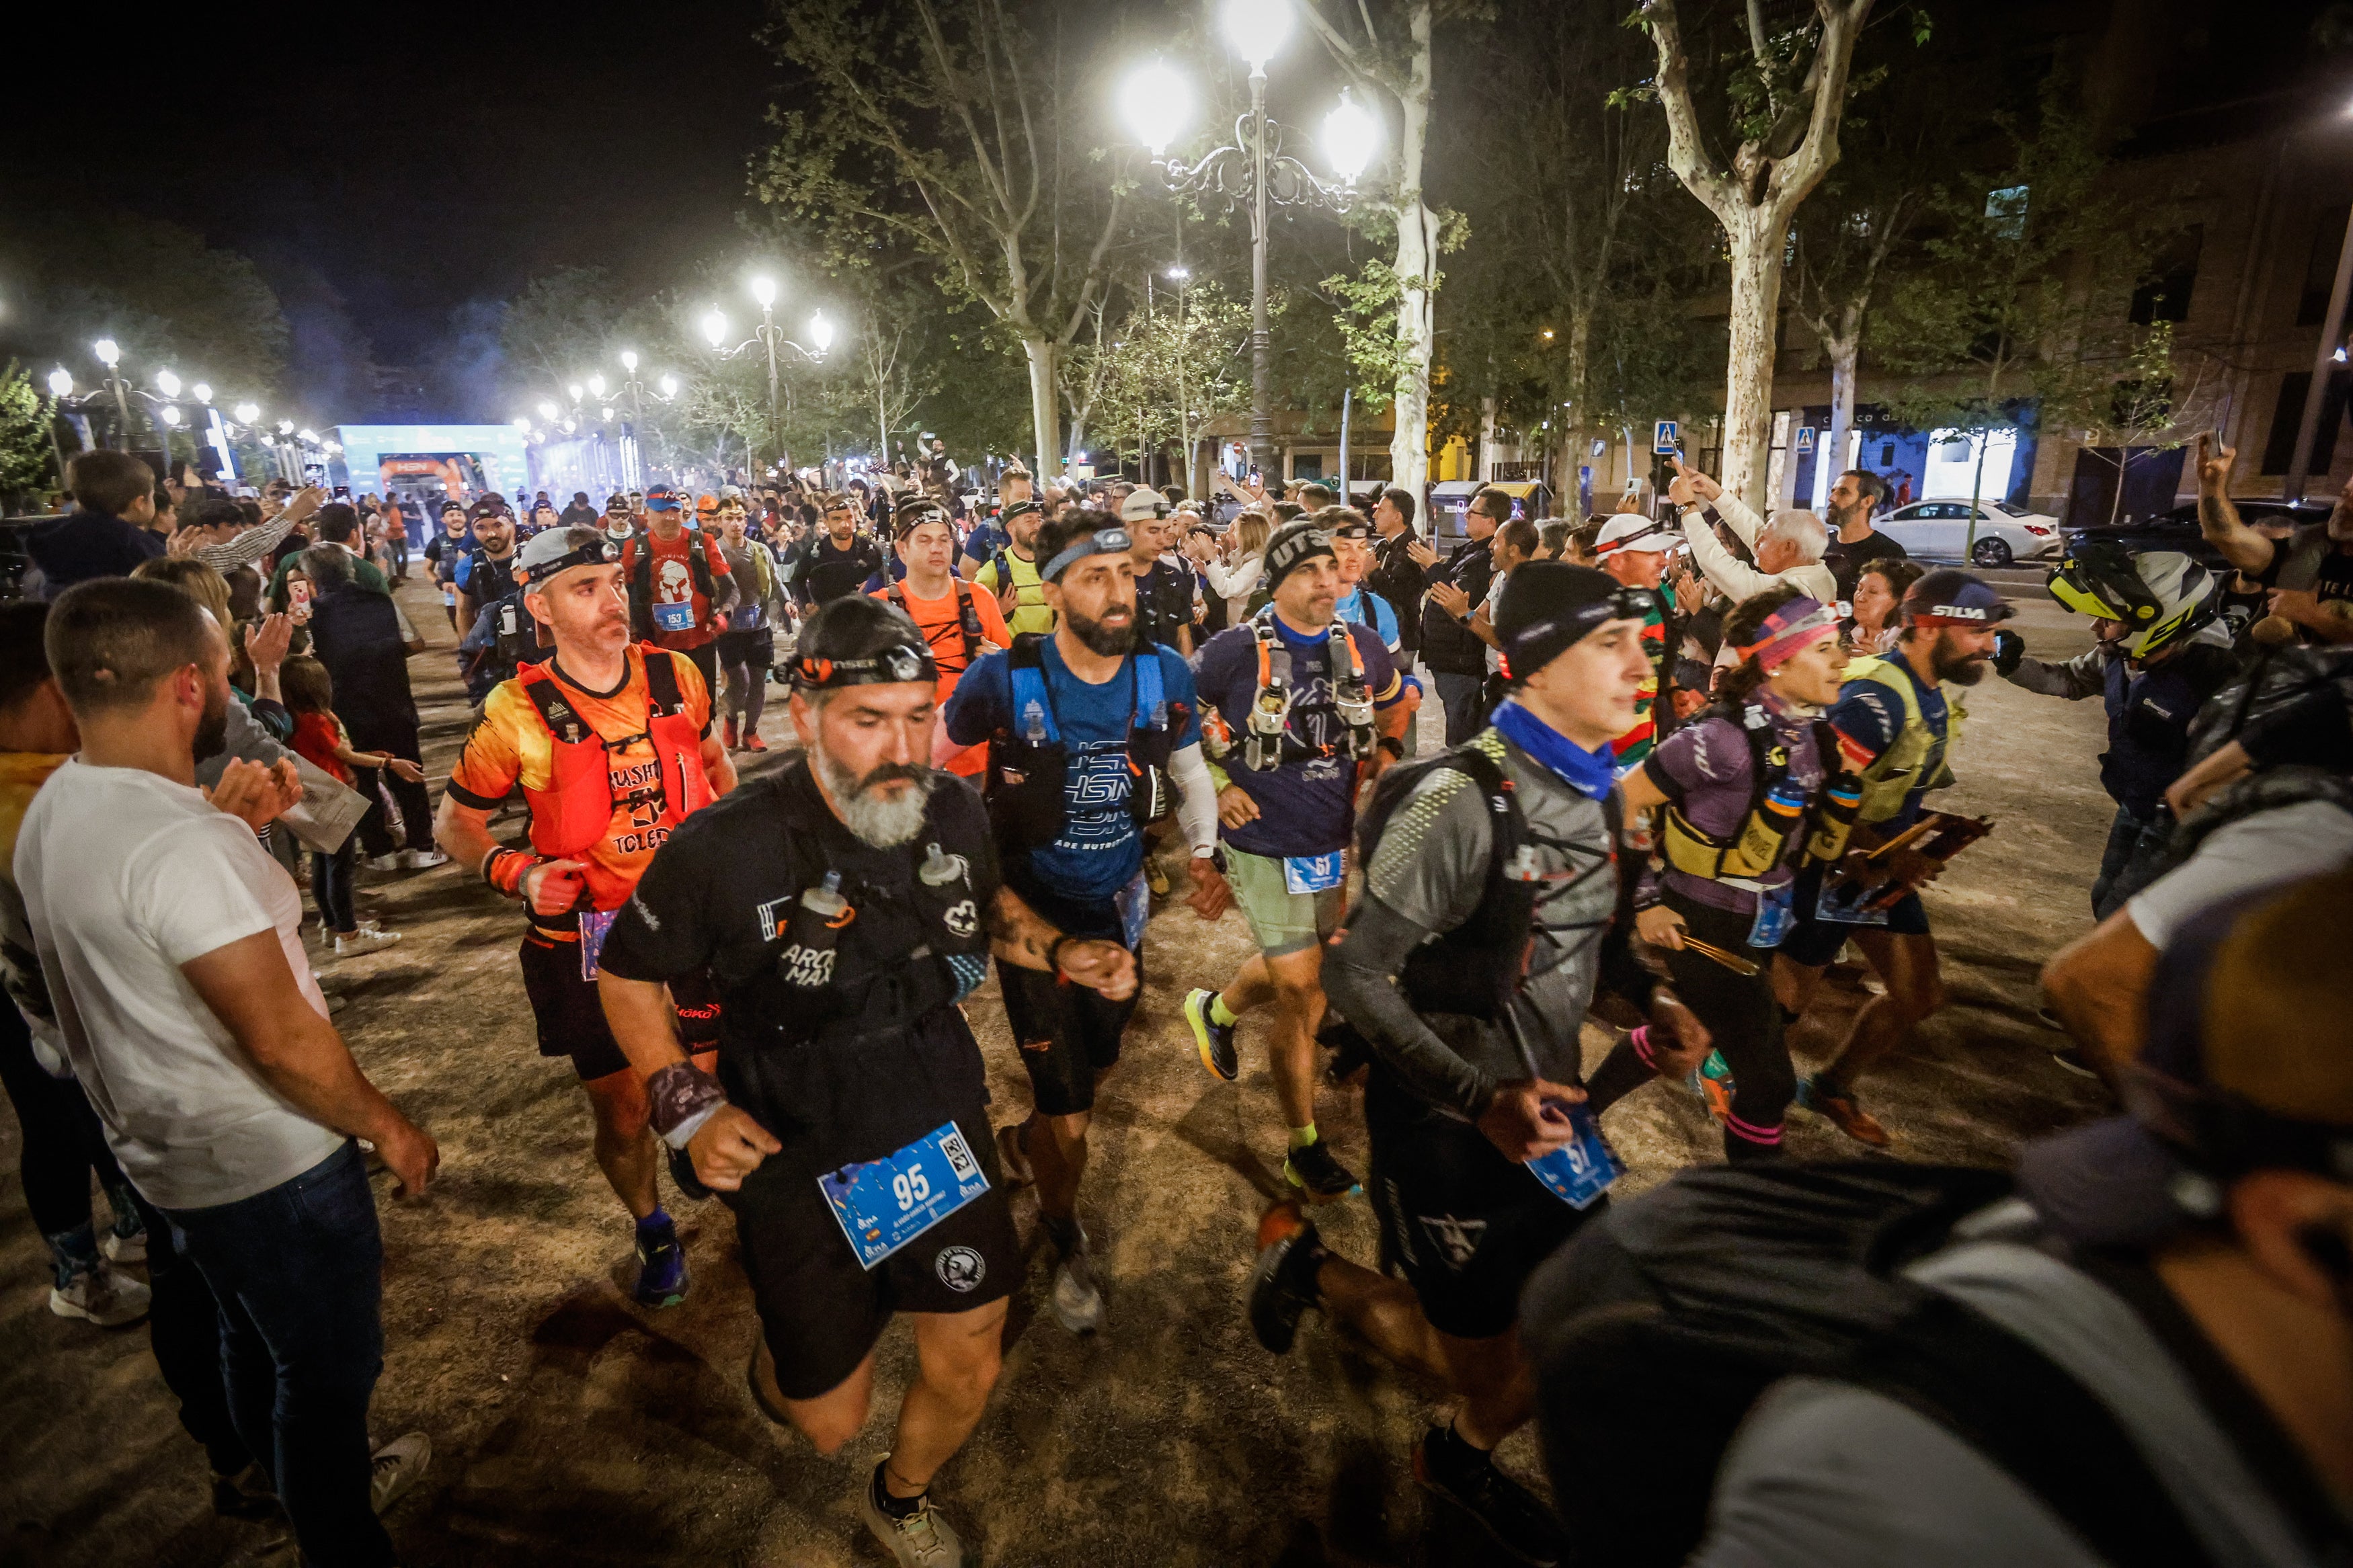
pixel 1939 530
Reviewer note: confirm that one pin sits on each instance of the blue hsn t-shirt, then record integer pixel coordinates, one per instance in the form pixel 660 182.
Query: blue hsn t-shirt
pixel 1869 717
pixel 1306 807
pixel 1099 849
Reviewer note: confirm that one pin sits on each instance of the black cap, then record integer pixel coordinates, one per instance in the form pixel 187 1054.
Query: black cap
pixel 1949 597
pixel 1292 546
pixel 1549 607
pixel 861 641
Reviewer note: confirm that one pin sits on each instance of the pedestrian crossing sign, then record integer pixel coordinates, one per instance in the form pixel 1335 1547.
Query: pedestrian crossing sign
pixel 1805 437
pixel 1662 438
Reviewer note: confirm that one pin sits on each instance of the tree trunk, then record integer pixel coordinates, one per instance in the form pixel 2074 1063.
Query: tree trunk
pixel 1045 407
pixel 1575 424
pixel 1758 251
pixel 1417 273
pixel 1843 351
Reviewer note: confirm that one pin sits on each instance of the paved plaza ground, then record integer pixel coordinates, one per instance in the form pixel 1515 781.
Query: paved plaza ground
pixel 572 1426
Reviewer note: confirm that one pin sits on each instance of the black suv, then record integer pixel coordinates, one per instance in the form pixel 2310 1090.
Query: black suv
pixel 2177 529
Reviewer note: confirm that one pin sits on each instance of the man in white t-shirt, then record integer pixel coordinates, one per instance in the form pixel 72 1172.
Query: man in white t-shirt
pixel 170 942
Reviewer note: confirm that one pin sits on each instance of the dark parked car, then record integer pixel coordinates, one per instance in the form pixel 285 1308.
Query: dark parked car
pixel 2178 529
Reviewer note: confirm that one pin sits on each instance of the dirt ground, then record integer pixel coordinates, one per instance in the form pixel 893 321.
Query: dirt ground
pixel 572 1426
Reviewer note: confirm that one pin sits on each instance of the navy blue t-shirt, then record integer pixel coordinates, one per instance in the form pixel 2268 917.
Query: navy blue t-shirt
pixel 985 539
pixel 1306 808
pixel 1869 717
pixel 1099 849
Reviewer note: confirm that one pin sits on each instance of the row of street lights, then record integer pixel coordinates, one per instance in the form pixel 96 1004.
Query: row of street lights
pixel 165 414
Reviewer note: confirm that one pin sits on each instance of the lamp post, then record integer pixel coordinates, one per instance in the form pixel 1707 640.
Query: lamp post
pixel 1253 168
pixel 110 356
pixel 770 337
pixel 61 388
pixel 632 465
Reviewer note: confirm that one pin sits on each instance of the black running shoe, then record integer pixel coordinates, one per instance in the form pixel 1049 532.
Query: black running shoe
pixel 682 1174
pixel 1214 1040
pixel 1283 1285
pixel 1512 1517
pixel 1311 1169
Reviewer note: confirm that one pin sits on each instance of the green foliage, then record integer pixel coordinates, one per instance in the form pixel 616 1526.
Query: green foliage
pixel 26 455
pixel 1168 371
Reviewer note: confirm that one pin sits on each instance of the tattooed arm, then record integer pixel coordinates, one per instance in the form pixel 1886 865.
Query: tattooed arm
pixel 1018 936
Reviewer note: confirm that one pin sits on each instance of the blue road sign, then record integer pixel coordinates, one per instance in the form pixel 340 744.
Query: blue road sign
pixel 1662 438
pixel 1805 437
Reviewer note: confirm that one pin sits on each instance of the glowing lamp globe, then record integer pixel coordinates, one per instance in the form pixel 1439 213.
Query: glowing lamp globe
pixel 714 327
pixel 167 383
pixel 172 415
pixel 523 422
pixel 669 386
pixel 1257 28
pixel 597 385
pixel 106 352
pixel 1158 102
pixel 820 332
pixel 249 412
pixel 764 289
pixel 1351 136
pixel 61 382
pixel 576 392
pixel 547 410
pixel 629 361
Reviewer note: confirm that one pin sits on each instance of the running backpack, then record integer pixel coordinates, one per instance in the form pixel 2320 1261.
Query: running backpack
pixel 2275 680
pixel 1661 1324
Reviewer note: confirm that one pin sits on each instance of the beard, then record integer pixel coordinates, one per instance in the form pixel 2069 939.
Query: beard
pixel 1108 641
pixel 1960 668
pixel 212 731
pixel 884 821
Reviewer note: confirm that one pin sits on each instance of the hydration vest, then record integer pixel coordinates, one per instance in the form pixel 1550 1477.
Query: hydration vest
pixel 967 618
pixel 1820 823
pixel 571 814
pixel 1028 762
pixel 641 580
pixel 1477 968
pixel 1267 742
pixel 1889 781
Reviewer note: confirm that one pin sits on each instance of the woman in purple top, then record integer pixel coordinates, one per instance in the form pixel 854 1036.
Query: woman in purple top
pixel 1749 795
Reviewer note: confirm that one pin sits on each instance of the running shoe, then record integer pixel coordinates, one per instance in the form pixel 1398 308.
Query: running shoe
pixel 99 1295
pixel 388 861
pixel 126 1241
pixel 1156 877
pixel 249 1494
pixel 727 734
pixel 1712 1080
pixel 1215 1040
pixel 1842 1113
pixel 921 1540
pixel 682 1176
pixel 752 741
pixel 1282 1280
pixel 395 1466
pixel 1311 1169
pixel 364 941
pixel 1513 1516
pixel 1077 1301
pixel 423 859
pixel 662 1268
pixel 1012 1157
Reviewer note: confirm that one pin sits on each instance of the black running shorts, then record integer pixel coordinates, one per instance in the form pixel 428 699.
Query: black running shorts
pixel 1466 1226
pixel 1066 1034
pixel 819 1310
pixel 571 1017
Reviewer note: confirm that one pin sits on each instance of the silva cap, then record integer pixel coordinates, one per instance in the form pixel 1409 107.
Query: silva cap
pixel 1951 597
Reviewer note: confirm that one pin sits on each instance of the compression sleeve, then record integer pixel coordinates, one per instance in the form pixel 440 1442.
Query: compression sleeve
pixel 1357 970
pixel 1197 799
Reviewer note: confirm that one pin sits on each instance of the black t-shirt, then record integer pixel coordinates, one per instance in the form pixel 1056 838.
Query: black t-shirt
pixel 827 572
pixel 1164 604
pixel 2333 580
pixel 1846 562
pixel 872 1058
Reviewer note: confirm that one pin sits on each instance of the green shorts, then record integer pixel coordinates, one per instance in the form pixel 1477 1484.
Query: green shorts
pixel 1283 922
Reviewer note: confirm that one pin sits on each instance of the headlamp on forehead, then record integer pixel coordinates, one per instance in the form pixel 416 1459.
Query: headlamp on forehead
pixel 1102 542
pixel 537 568
pixel 906 662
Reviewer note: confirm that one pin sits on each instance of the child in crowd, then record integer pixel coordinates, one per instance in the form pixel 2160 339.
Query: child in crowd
pixel 320 740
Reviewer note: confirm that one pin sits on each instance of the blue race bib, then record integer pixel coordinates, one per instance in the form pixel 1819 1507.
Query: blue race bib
pixel 675 617
pixel 1775 913
pixel 595 925
pixel 1581 1170
pixel 882 1205
pixel 1842 903
pixel 1314 873
pixel 747 619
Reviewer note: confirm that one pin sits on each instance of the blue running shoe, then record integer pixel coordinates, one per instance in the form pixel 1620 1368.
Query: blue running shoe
pixel 661 1263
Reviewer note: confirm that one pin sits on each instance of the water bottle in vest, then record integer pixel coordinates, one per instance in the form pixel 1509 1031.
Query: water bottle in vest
pixel 808 960
pixel 1766 830
pixel 1835 819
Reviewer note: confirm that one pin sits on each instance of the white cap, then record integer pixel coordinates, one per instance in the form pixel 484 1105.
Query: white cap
pixel 1632 531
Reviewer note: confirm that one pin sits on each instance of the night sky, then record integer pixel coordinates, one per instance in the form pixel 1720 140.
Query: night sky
pixel 419 157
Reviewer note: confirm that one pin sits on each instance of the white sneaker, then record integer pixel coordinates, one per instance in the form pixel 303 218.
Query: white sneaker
pixel 101 1295
pixel 1078 1304
pixel 922 1539
pixel 381 862
pixel 396 1467
pixel 131 1248
pixel 423 859
pixel 365 940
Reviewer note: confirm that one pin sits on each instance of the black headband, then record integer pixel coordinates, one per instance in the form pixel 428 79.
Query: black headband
pixel 906 662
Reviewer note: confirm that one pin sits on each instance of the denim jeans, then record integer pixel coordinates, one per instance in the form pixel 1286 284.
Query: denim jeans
pixel 298 1272
pixel 1461 694
pixel 2132 854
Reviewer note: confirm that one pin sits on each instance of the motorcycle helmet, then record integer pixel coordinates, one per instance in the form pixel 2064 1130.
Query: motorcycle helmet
pixel 2161 597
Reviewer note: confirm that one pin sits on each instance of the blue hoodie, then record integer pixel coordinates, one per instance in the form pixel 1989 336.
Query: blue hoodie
pixel 85 544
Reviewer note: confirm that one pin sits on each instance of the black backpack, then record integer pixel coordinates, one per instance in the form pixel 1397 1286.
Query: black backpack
pixel 1655 1329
